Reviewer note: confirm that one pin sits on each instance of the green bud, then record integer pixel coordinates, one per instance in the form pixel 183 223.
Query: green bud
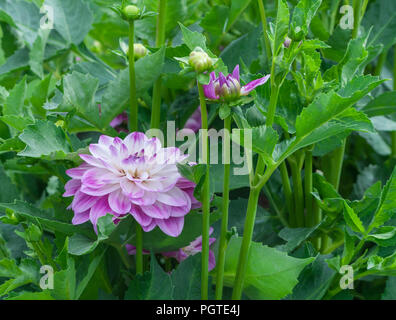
pixel 33 233
pixel 139 50
pixel 131 12
pixel 199 60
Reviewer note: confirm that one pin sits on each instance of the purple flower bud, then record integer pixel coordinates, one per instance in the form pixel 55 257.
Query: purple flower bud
pixel 287 42
pixel 228 88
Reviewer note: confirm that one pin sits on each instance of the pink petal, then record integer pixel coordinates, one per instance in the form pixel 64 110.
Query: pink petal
pixel 82 202
pixel 71 187
pixel 157 210
pixel 253 84
pixel 81 217
pixel 235 73
pixel 172 226
pixel 119 202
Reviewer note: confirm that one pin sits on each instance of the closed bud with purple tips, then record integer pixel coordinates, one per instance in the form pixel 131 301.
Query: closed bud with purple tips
pixel 228 88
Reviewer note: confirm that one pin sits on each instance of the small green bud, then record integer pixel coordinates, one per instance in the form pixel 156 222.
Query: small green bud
pixel 139 50
pixel 199 60
pixel 131 12
pixel 33 233
pixel 60 123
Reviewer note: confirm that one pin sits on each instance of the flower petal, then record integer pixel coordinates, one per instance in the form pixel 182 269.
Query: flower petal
pixel 172 226
pixel 119 202
pixel 253 84
pixel 235 73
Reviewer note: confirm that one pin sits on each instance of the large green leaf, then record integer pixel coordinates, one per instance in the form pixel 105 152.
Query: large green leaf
pixel 281 26
pixel 302 16
pixel 237 7
pixel 72 19
pixel 381 105
pixel 44 138
pixel 153 285
pixel 387 206
pixel 46 219
pixel 381 16
pixel 270 274
pixel 79 92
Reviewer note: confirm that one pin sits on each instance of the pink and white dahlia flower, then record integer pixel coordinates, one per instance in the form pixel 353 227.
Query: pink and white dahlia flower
pixel 134 176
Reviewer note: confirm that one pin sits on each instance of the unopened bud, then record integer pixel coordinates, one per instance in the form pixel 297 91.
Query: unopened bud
pixel 199 60
pixel 131 12
pixel 287 42
pixel 139 51
pixel 60 123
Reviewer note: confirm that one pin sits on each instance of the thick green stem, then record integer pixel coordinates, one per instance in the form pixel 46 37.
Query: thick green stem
pixel 246 242
pixel 309 218
pixel 133 105
pixel 205 196
pixel 357 10
pixel 298 192
pixel 336 160
pixel 159 41
pixel 264 23
pixel 380 63
pixel 139 249
pixel 224 218
pixel 288 193
pixel 394 88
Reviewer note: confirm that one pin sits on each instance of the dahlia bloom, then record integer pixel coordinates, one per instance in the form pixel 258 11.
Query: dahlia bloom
pixel 132 176
pixel 228 88
pixel 182 254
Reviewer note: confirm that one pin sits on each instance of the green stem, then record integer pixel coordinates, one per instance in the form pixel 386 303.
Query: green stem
pixel 380 63
pixel 394 88
pixel 264 23
pixel 133 112
pixel 357 10
pixel 246 242
pixel 317 217
pixel 139 249
pixel 298 192
pixel 159 41
pixel 205 196
pixel 288 193
pixel 224 218
pixel 309 219
pixel 336 160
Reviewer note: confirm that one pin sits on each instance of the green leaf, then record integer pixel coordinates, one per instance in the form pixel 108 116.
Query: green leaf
pixel 25 273
pixel 187 279
pixel 302 16
pixel 79 93
pixel 65 283
pixel 72 19
pixel 352 219
pixel 384 236
pixel 237 7
pixel 25 295
pixel 270 274
pixel 390 290
pixel 193 39
pixel 330 114
pixel 294 237
pixel 14 103
pixel 387 206
pixel 384 32
pixel 33 214
pixel 153 285
pixel 281 26
pixel 44 138
pixel 383 104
